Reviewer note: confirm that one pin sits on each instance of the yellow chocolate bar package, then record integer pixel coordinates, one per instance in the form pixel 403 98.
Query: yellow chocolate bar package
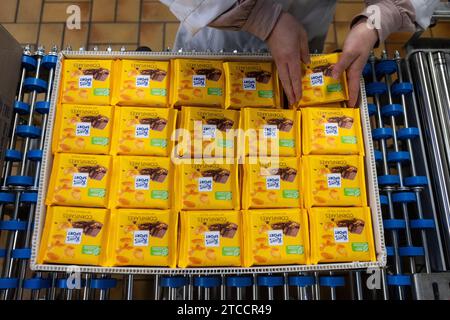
pixel 142 237
pixel 76 236
pixel 250 84
pixel 87 82
pixel 141 83
pixel 334 181
pixel 319 87
pixel 212 132
pixel 271 132
pixel 197 83
pixel 271 183
pixel 341 235
pixel 141 182
pixel 207 185
pixel 210 238
pixel 332 131
pixel 275 237
pixel 79 180
pixel 83 129
pixel 143 131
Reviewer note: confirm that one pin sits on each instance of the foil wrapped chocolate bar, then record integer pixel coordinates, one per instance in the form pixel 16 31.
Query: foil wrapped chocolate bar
pixel 221 124
pixel 156 174
pixel 95 172
pixel 100 74
pixel 218 175
pixel 155 74
pixel 98 122
pixel 227 230
pixel 283 124
pixel 211 74
pixel 289 228
pixel 156 124
pixel 286 174
pixel 260 76
pixel 90 228
pixel 353 225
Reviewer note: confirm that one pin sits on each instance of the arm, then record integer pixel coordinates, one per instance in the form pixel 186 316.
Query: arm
pixel 368 29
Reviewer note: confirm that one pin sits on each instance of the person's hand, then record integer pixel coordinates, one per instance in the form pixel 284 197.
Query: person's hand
pixel 357 47
pixel 288 44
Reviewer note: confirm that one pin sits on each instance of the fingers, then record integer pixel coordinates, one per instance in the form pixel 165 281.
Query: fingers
pixel 283 72
pixel 343 64
pixel 304 47
pixel 295 73
pixel 354 78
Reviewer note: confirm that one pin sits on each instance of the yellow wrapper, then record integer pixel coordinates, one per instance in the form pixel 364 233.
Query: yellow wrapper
pixel 142 237
pixel 271 132
pixel 83 129
pixel 212 132
pixel 210 238
pixel 79 180
pixel 141 83
pixel 275 237
pixel 142 182
pixel 197 83
pixel 332 131
pixel 143 131
pixel 207 185
pixel 334 181
pixel 318 85
pixel 87 82
pixel 250 84
pixel 271 183
pixel 74 236
pixel 341 235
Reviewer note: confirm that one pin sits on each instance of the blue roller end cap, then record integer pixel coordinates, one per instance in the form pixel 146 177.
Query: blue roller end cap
pixel 399 280
pixel 29 63
pixel 2 253
pixel 408 133
pixel 417 181
pixel 398 157
pixel 388 180
pixel 207 282
pixel 7 197
pixel 239 282
pixel 390 251
pixel 332 282
pixel 13 155
pixel 8 283
pixel 404 197
pixel 29 197
pixel 21 253
pixel 270 281
pixel 378 156
pixel 42 107
pixel 35 155
pixel 376 88
pixel 411 251
pixel 37 284
pixel 19 181
pixel 384 200
pixel 367 71
pixel 301 281
pixel 34 84
pixel 21 108
pixel 392 110
pixel 422 224
pixel 372 109
pixel 103 284
pixel 13 225
pixel 385 67
pixel 402 88
pixel 49 61
pixel 394 224
pixel 174 282
pixel 28 131
pixel 382 133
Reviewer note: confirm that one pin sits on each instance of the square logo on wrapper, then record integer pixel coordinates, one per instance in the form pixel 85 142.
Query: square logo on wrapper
pixel 212 239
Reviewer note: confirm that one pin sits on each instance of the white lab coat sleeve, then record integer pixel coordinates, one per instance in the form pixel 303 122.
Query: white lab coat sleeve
pixel 196 14
pixel 424 10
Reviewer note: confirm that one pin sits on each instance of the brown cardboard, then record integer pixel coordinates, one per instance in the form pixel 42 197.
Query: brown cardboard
pixel 10 61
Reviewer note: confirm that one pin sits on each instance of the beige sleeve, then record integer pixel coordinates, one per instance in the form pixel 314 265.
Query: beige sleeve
pixel 256 17
pixel 388 16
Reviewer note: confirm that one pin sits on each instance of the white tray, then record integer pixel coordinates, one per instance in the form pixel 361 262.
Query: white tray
pixel 371 180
